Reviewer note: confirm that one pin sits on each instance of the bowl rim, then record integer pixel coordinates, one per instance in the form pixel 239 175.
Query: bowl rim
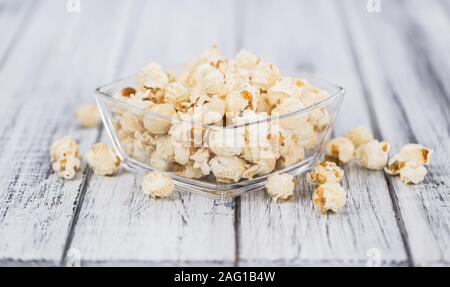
pixel 337 94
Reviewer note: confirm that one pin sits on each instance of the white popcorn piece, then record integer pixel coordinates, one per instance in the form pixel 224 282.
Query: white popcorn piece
pixel 341 149
pixel 329 196
pixel 165 148
pixel 157 162
pixel 131 122
pixel 264 76
pixel 158 125
pixel 409 155
pixel 226 141
pixel 65 157
pixel 291 153
pixel 283 89
pixel 212 111
pixel 210 80
pixel 359 135
pixel 201 159
pixel 416 153
pixel 246 60
pixel 88 116
pixel 177 95
pixel 152 77
pixel 280 186
pixel 139 150
pixel 227 169
pixel 290 105
pixel 188 171
pixel 182 154
pixel 413 173
pixel 157 184
pixel 319 119
pixel 325 172
pixel 102 159
pixel 373 155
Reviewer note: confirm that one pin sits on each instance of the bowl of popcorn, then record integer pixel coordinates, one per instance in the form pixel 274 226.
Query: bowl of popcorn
pixel 219 127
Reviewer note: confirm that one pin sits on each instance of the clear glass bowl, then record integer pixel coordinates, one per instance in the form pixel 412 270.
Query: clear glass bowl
pixel 113 110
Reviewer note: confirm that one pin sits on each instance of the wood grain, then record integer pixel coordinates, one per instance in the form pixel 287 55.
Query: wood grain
pixel 295 232
pixel 40 95
pixel 117 222
pixel 410 106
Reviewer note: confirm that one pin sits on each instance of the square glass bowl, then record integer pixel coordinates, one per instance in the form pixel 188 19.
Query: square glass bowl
pixel 113 110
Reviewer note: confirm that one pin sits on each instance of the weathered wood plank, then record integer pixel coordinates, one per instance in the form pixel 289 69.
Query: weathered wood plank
pixel 117 222
pixel 411 106
pixel 39 96
pixel 309 35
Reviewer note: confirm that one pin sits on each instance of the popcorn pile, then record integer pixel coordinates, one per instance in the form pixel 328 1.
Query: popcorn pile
pixel 212 118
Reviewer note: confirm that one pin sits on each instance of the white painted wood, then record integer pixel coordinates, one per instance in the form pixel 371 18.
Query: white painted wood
pixel 309 35
pixel 39 95
pixel 399 67
pixel 117 222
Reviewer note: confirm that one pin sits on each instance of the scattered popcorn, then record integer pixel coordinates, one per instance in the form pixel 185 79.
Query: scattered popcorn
pixel 409 163
pixel 88 116
pixel 340 149
pixel 325 172
pixel 65 157
pixel 280 186
pixel 412 173
pixel 157 184
pixel 102 159
pixel 359 135
pixel 373 155
pixel 329 196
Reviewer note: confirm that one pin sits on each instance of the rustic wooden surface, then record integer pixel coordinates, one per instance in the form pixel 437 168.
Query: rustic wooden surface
pixel 394 64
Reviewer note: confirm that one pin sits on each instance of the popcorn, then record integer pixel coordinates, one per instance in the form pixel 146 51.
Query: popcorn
pixel 264 76
pixel 165 148
pixel 373 155
pixel 188 171
pixel 227 169
pixel 226 142
pixel 213 111
pixel 412 173
pixel 65 157
pixel 219 116
pixel 280 186
pixel 157 184
pixel 325 172
pixel 156 125
pixel 102 159
pixel 201 158
pixel 329 196
pixel 341 149
pixel 130 122
pixel 177 95
pixel 88 116
pixel 409 163
pixel 246 60
pixel 152 77
pixel 359 135
pixel 284 89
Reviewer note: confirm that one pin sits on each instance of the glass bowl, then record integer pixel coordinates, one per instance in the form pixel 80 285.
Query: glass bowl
pixel 119 116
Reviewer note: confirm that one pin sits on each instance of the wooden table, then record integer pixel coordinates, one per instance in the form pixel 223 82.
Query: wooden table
pixel 394 64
